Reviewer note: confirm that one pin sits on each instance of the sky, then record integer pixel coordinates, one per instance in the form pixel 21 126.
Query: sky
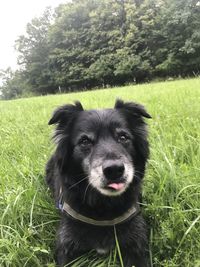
pixel 14 15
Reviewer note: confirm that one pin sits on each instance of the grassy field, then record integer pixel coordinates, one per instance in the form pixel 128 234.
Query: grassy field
pixel 171 188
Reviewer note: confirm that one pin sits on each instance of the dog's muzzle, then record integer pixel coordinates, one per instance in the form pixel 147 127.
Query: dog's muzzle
pixel 111 177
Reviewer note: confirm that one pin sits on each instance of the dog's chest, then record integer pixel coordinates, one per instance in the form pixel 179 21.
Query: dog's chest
pixel 89 237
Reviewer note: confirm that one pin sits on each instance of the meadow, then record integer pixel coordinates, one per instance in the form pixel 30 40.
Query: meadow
pixel 171 204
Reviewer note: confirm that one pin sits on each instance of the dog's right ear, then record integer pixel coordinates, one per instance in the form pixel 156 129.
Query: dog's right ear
pixel 64 113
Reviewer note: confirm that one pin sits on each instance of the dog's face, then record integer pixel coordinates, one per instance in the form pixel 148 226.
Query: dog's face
pixel 104 145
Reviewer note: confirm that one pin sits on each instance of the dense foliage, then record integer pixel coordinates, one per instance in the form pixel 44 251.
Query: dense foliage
pixel 93 43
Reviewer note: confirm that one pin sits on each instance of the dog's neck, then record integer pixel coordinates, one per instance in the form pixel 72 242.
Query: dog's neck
pixel 98 208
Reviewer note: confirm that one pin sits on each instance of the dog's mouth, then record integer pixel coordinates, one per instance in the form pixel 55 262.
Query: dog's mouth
pixel 116 186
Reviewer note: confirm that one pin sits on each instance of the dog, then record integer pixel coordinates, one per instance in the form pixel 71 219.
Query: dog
pixel 95 175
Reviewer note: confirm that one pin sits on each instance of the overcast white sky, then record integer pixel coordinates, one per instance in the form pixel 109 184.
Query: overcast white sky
pixel 14 15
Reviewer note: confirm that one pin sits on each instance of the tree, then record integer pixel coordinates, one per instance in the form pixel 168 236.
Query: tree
pixel 180 26
pixel 33 49
pixel 13 85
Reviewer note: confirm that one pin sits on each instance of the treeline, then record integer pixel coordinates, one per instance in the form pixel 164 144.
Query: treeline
pixel 93 43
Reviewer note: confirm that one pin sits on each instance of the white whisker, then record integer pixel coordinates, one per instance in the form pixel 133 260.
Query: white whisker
pixel 78 182
pixel 85 192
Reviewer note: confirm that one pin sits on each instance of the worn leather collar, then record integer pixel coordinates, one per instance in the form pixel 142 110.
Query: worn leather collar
pixel 126 216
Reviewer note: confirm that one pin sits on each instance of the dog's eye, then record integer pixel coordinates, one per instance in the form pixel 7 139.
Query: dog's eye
pixel 85 141
pixel 123 138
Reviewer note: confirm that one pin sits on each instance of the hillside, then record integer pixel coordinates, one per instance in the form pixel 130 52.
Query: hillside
pixel 171 203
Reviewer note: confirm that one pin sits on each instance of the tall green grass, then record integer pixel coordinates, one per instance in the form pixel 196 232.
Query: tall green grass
pixel 171 203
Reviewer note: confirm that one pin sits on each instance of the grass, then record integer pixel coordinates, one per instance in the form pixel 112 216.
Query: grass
pixel 171 202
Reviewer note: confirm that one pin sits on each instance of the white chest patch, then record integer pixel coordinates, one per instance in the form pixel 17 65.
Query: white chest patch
pixel 102 251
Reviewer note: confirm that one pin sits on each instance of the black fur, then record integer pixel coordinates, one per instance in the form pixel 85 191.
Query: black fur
pixel 83 138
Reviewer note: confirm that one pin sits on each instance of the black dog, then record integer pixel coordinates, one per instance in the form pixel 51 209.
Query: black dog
pixel 95 175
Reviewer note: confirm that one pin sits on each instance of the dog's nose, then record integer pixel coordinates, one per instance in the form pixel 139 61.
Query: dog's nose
pixel 113 169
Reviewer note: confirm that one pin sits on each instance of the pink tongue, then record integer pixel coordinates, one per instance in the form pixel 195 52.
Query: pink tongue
pixel 116 186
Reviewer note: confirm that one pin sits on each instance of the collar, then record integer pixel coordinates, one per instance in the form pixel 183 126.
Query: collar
pixel 126 216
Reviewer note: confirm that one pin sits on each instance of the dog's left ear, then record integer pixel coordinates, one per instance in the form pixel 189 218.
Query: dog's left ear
pixel 135 109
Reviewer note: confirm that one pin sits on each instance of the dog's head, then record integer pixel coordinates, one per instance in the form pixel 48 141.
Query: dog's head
pixel 108 147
